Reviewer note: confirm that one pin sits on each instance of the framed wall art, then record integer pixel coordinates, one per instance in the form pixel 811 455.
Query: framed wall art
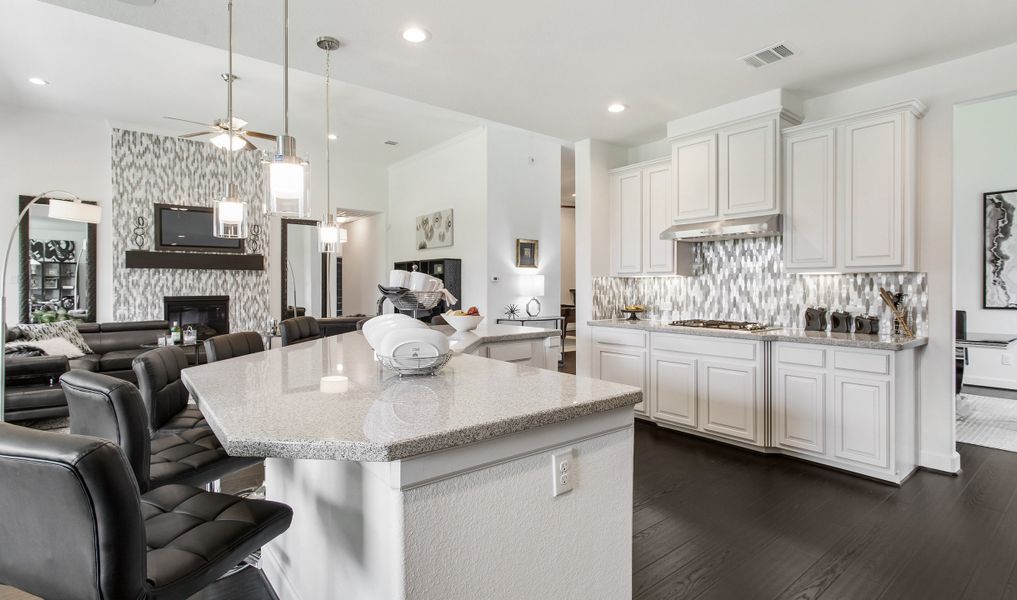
pixel 1000 275
pixel 526 253
pixel 435 230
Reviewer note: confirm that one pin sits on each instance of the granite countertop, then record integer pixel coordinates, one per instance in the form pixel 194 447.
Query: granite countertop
pixel 492 333
pixel 268 404
pixel 849 340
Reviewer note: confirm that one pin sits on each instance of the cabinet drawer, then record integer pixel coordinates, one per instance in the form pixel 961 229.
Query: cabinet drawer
pixel 696 344
pixel 797 355
pixel 862 361
pixel 619 337
pixel 511 351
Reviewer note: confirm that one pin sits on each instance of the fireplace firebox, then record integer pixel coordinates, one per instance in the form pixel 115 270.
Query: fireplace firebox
pixel 208 315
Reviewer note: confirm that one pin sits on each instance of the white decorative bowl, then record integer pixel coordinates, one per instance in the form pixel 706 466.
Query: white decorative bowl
pixel 376 329
pixel 463 323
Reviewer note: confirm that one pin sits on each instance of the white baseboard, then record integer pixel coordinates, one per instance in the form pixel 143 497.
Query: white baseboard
pixel 277 576
pixel 992 382
pixel 946 463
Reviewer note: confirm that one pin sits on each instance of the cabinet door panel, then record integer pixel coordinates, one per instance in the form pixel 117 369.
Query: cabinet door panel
pixel 862 420
pixel 627 214
pixel 810 201
pixel 747 167
pixel 694 172
pixel 659 254
pixel 873 193
pixel 621 366
pixel 730 400
pixel 673 388
pixel 800 409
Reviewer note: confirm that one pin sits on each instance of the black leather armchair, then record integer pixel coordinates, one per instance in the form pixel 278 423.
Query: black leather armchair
pixel 76 528
pixel 231 345
pixel 33 388
pixel 109 408
pixel 165 396
pixel 299 329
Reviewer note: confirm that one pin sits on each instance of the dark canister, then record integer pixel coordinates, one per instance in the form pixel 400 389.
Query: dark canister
pixel 867 324
pixel 815 318
pixel 840 322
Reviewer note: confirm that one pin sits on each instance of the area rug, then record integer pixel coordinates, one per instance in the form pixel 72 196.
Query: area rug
pixel 987 421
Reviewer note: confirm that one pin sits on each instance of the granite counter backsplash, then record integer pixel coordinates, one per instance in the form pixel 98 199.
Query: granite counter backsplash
pixel 744 280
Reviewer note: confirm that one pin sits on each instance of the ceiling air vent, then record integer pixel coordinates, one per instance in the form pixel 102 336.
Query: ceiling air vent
pixel 391 143
pixel 768 56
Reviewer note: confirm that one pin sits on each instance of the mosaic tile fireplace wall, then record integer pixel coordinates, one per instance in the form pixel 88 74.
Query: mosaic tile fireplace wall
pixel 744 280
pixel 150 169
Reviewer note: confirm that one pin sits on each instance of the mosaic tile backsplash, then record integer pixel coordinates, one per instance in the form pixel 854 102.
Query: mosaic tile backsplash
pixel 150 169
pixel 744 280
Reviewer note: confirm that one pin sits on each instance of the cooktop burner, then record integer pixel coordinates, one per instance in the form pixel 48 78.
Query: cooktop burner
pixel 708 324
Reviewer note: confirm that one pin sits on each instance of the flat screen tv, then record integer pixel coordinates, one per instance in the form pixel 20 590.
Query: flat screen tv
pixel 189 228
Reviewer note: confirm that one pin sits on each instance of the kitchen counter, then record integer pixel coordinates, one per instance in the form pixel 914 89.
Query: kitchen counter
pixel 491 333
pixel 850 340
pixel 268 404
pixel 397 479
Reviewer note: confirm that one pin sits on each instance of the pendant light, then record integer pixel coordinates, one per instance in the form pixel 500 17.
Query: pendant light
pixel 229 213
pixel 287 177
pixel 330 233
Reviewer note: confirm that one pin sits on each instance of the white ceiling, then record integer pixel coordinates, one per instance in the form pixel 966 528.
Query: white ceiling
pixel 553 66
pixel 133 77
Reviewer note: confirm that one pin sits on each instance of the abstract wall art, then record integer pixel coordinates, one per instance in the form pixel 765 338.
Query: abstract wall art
pixel 435 230
pixel 1000 249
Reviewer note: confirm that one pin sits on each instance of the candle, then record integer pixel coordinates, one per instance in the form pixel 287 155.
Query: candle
pixel 334 384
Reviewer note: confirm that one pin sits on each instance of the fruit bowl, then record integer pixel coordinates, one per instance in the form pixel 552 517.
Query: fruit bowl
pixel 463 323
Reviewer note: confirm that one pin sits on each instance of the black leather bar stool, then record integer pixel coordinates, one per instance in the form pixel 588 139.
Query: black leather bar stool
pixel 299 329
pixel 231 345
pixel 110 408
pixel 165 396
pixel 76 528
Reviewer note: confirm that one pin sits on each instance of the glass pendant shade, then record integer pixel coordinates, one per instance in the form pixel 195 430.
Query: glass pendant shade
pixel 287 182
pixel 229 217
pixel 328 236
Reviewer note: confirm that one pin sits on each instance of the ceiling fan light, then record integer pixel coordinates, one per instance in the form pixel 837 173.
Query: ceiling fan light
pixel 223 141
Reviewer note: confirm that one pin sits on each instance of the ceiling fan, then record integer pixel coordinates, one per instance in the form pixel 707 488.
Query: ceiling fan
pixel 221 130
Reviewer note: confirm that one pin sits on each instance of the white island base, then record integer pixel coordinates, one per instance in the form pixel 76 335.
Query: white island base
pixel 475 521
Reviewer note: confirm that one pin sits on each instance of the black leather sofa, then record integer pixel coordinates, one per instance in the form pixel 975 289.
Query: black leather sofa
pixel 32 389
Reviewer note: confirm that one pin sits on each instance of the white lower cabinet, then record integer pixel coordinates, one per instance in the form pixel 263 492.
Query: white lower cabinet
pixel 849 408
pixel 799 403
pixel 620 356
pixel 674 388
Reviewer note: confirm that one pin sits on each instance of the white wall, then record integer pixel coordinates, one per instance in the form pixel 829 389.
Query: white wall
pixel 985 160
pixel 365 264
pixel 450 175
pixel 523 202
pixel 593 256
pixel 50 151
pixel 568 252
pixel 941 87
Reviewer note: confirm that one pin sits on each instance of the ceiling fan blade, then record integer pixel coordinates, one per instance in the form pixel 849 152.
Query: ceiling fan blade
pixel 196 134
pixel 260 135
pixel 247 144
pixel 190 121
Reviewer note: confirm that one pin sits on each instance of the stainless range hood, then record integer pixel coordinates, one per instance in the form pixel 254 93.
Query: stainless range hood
pixel 731 229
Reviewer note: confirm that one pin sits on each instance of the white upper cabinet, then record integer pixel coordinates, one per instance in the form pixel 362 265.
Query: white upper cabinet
pixel 640 211
pixel 694 171
pixel 658 254
pixel 849 191
pixel 748 169
pixel 810 201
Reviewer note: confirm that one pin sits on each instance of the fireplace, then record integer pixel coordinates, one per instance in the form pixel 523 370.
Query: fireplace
pixel 208 315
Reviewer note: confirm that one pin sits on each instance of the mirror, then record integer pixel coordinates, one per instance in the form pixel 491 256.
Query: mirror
pixel 57 266
pixel 304 270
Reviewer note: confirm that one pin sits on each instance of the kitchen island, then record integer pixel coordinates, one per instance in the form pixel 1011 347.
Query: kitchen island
pixel 432 487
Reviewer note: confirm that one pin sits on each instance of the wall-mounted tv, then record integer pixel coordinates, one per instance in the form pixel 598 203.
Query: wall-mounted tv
pixel 189 228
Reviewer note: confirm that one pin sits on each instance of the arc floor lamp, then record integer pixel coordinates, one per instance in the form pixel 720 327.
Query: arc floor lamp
pixel 71 209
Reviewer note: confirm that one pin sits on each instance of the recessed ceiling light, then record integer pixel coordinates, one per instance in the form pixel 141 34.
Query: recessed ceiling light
pixel 37 81
pixel 573 195
pixel 415 35
pixel 333 136
pixel 617 107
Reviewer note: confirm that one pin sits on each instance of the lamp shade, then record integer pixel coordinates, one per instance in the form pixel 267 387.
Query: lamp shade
pixel 287 181
pixel 74 210
pixel 531 285
pixel 328 236
pixel 230 219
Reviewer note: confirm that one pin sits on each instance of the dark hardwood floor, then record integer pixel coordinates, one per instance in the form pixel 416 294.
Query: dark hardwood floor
pixel 712 521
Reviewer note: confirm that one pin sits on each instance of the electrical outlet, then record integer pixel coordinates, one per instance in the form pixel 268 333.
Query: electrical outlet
pixel 1007 359
pixel 563 467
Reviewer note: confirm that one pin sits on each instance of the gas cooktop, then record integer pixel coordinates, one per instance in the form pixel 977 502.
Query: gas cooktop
pixel 734 325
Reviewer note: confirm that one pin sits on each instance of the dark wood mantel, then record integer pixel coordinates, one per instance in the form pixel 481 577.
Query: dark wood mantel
pixel 144 259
